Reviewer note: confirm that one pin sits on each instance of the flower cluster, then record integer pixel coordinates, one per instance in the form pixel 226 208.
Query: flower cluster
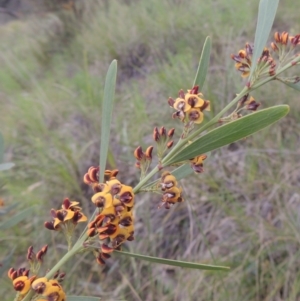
pixel 284 43
pixel 265 66
pixel 22 283
pixel 245 103
pixel 243 60
pixel 69 216
pixel 143 159
pixel 36 258
pixel 170 189
pixel 163 140
pixel 49 289
pixel 189 106
pixel 21 280
pixel 114 223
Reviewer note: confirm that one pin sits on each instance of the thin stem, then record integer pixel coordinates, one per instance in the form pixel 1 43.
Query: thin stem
pixel 144 180
pixel 29 296
pixel 63 260
pixel 284 57
pixel 69 240
pixel 17 296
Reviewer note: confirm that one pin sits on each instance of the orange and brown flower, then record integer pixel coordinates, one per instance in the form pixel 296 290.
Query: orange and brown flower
pixel 189 106
pixel 244 60
pixel 248 103
pixel 69 214
pixel 171 193
pixel 21 280
pixel 22 284
pixel 167 181
pixel 265 66
pixel 49 289
pixel 197 163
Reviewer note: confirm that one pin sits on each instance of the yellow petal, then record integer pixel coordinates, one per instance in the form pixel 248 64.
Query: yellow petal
pixel 56 222
pixel 195 115
pixel 126 196
pixel 172 195
pixel 22 284
pixel 168 182
pixel 245 74
pixel 194 101
pixel 40 285
pixel 52 286
pixel 199 159
pixel 102 199
pixel 68 214
pixel 109 210
pixel 181 105
pixel 121 235
pixel 82 218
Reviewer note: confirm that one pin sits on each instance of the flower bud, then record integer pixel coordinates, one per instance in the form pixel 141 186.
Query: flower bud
pixel 194 90
pixel 138 153
pixel 30 253
pixel 163 132
pixel 171 132
pixel 284 38
pixel 181 93
pixel 277 37
pixel 156 135
pixel 274 47
pixel 148 152
pixel 170 144
pixel 171 101
pixel 40 254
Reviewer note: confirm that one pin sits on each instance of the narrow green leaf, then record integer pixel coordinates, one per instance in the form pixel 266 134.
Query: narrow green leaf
pixel 1 148
pixel 6 166
pixel 203 64
pixel 107 109
pixel 82 298
pixel 231 132
pixel 266 15
pixel 177 263
pixel 14 220
pixel 295 86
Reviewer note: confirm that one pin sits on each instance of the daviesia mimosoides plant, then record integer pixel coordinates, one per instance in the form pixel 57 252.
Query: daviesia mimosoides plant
pixel 163 164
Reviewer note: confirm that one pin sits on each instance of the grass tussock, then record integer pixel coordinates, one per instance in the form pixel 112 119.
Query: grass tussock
pixel 242 212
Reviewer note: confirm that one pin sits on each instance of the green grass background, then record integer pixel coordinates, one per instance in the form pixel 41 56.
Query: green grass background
pixel 244 211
